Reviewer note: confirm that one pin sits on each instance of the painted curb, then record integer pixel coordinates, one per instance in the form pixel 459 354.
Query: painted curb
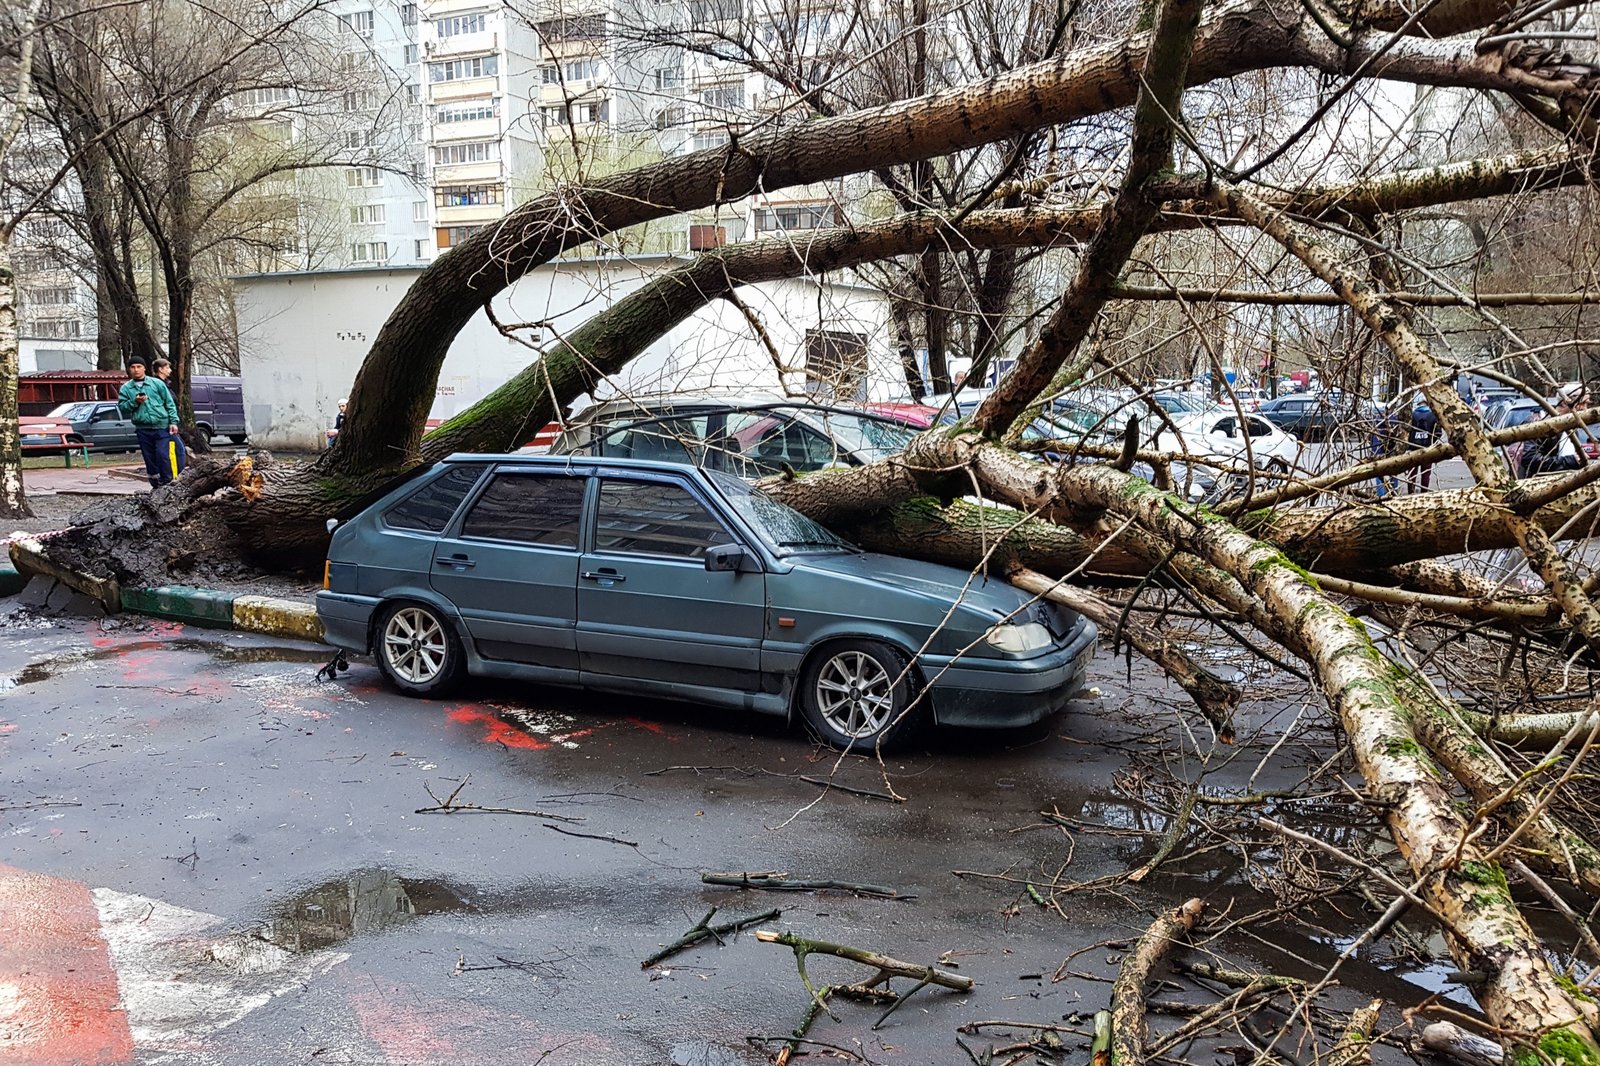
pixel 221 610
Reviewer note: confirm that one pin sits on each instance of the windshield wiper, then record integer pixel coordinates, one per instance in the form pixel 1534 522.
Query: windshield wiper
pixel 812 544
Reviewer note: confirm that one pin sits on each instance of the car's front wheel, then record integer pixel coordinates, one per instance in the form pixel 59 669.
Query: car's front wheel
pixel 417 651
pixel 857 694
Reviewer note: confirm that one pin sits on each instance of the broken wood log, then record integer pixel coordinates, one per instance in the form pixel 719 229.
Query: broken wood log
pixel 887 966
pixel 779 882
pixel 1129 1033
pixel 704 930
pixel 1355 1046
pixel 1456 1044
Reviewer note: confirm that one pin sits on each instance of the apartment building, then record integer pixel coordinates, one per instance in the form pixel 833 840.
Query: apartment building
pixel 483 153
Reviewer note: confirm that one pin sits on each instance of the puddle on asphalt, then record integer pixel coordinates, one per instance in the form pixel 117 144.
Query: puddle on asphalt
pixel 362 904
pixel 81 659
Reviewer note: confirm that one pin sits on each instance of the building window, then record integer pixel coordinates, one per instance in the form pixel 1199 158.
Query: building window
pixel 592 112
pixel 369 252
pixel 45 228
pixel 368 214
pixel 450 236
pixel 552 116
pixel 353 62
pixel 669 78
pixel 361 100
pixel 265 97
pixel 797 217
pixel 419 211
pixel 704 238
pixel 357 22
pixel 710 139
pixel 446 114
pixel 360 138
pixel 573 28
pixel 462 69
pixel 836 363
pixel 724 97
pixel 411 54
pixel 408 14
pixel 59 328
pixel 456 25
pixel 668 117
pixel 704 11
pixel 421 250
pixel 413 94
pixel 471 152
pixel 466 195
pixel 361 177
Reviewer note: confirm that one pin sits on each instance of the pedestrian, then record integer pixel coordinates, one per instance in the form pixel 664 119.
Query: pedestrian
pixel 163 370
pixel 1424 431
pixel 148 403
pixel 1556 452
pixel 1388 437
pixel 338 423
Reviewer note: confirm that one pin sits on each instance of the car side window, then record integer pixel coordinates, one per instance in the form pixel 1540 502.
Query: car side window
pixel 654 518
pixel 429 508
pixel 528 509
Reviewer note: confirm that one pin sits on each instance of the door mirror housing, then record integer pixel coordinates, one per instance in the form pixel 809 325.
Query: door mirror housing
pixel 733 558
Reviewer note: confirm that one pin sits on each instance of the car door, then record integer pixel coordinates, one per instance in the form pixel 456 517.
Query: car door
pixel 510 566
pixel 648 609
pixel 109 431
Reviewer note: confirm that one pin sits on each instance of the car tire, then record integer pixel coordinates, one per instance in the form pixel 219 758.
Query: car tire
pixel 1277 466
pixel 857 695
pixel 203 431
pixel 417 650
pixel 237 438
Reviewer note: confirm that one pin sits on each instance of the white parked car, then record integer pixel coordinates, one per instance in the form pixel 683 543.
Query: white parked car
pixel 1215 434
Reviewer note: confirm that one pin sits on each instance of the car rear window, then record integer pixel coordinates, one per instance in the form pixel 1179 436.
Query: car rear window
pixel 528 509
pixel 430 507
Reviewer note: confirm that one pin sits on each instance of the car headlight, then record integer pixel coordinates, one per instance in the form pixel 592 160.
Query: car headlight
pixel 1016 639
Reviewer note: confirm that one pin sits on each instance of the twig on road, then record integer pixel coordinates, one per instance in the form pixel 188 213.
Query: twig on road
pixel 704 930
pixel 779 882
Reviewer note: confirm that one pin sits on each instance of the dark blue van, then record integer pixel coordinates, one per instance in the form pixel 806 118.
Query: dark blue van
pixel 218 406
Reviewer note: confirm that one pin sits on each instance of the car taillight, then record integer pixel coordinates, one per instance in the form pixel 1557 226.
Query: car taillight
pixel 326 568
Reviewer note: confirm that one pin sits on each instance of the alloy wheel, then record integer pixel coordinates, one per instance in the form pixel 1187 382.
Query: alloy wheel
pixel 855 694
pixel 414 645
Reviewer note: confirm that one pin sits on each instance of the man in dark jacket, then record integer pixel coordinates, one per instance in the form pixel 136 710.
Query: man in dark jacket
pixel 149 404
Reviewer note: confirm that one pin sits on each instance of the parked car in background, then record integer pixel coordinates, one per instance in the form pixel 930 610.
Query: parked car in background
pixel 100 424
pixel 1316 416
pixel 682 582
pixel 218 407
pixel 749 436
pixel 1222 436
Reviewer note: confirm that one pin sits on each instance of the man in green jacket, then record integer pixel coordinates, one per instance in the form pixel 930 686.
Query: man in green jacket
pixel 149 403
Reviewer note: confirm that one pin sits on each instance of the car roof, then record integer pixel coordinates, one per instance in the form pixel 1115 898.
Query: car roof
pixel 566 461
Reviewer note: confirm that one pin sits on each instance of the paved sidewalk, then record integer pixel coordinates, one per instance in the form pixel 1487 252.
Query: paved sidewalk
pixel 112 476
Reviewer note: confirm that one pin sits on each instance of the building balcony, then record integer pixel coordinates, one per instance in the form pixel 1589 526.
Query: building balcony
pixel 462 44
pixel 478 129
pixel 469 215
pixel 467 173
pixel 466 88
pixel 434 8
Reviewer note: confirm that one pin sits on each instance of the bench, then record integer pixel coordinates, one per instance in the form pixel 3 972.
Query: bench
pixel 52 436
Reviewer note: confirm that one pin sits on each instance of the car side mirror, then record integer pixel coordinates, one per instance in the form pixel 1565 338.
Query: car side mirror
pixel 732 558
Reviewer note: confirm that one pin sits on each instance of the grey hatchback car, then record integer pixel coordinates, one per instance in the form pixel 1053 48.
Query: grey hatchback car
pixel 675 581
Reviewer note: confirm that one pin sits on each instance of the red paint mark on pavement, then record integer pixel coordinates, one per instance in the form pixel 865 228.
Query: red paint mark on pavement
pixel 58 991
pixel 495 731
pixel 8 727
pixel 654 727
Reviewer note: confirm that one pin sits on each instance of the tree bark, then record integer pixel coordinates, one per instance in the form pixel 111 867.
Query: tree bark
pixel 13 497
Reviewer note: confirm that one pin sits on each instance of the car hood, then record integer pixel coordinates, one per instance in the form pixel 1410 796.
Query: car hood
pixel 942 583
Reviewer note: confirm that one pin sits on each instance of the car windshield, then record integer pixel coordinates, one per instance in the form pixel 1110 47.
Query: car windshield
pixel 868 439
pixel 785 530
pixel 74 412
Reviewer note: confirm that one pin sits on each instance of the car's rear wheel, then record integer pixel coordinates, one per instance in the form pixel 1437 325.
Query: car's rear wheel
pixel 237 438
pixel 417 651
pixel 858 694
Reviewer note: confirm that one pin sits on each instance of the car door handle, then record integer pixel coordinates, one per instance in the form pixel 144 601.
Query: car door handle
pixel 603 574
pixel 460 562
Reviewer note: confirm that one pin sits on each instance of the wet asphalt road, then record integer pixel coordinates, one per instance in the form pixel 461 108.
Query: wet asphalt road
pixel 266 892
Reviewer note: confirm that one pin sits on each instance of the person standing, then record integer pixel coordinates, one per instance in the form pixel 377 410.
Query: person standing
pixel 163 370
pixel 148 403
pixel 1550 454
pixel 1424 431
